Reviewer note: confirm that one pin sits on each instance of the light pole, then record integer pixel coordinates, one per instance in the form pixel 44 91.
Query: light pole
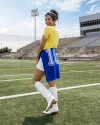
pixel 34 13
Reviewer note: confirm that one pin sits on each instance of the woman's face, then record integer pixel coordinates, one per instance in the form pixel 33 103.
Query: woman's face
pixel 49 21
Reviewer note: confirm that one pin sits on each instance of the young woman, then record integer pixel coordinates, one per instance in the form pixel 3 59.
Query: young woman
pixel 47 62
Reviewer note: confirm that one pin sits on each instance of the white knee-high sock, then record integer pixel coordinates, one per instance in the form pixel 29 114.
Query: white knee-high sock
pixel 53 91
pixel 44 91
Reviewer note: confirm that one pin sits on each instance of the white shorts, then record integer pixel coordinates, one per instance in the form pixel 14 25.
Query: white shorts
pixel 40 65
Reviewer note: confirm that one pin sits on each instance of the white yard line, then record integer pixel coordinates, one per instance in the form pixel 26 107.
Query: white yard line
pixel 72 70
pixel 15 79
pixel 12 61
pixel 66 62
pixel 30 62
pixel 78 71
pixel 75 71
pixel 34 93
pixel 88 71
pixel 9 66
pixel 5 64
pixel 16 69
pixel 73 87
pixel 16 75
pixel 92 70
pixel 19 95
pixel 14 65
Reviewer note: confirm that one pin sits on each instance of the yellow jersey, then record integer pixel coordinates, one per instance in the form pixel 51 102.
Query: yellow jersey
pixel 52 36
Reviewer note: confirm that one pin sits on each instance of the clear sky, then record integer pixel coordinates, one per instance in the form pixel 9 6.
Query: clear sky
pixel 17 25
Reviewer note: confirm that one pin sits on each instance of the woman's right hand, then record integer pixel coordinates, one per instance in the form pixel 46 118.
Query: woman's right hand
pixel 37 59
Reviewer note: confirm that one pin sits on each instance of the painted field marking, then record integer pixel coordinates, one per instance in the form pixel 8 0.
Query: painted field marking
pixel 16 75
pixel 63 69
pixel 12 61
pixel 63 66
pixel 78 71
pixel 7 75
pixel 93 63
pixel 92 70
pixel 72 70
pixel 8 65
pixel 4 64
pixel 27 66
pixel 30 62
pixel 34 93
pixel 26 82
pixel 14 79
pixel 16 69
pixel 66 62
pixel 88 71
pixel 75 71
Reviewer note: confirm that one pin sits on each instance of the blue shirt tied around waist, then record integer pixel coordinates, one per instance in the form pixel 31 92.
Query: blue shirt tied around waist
pixel 50 64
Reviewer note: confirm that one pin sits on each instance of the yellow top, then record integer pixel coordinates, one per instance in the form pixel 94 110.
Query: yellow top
pixel 52 36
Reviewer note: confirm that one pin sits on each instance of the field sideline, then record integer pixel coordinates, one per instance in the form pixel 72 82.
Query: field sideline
pixel 78 104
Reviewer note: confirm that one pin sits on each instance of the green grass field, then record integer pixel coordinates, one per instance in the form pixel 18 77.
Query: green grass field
pixel 77 106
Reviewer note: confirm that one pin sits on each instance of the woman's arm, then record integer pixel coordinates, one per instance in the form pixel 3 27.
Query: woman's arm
pixel 41 47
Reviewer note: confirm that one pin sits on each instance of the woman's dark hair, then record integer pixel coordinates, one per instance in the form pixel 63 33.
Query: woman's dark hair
pixel 54 14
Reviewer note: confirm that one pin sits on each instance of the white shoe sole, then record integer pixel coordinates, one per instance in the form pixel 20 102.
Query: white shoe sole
pixel 53 110
pixel 44 112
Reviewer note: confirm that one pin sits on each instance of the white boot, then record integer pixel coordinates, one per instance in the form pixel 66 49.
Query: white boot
pixel 46 94
pixel 54 109
pixel 53 91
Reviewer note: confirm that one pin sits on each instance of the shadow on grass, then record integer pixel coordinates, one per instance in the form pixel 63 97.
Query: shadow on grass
pixel 43 120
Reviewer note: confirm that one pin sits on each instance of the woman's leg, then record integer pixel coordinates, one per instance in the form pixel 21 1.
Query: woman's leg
pixel 53 91
pixel 42 89
pixel 38 75
pixel 52 83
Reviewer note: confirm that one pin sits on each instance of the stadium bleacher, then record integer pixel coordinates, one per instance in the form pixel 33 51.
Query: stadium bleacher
pixel 9 55
pixel 71 48
pixel 83 47
pixel 95 43
pixel 64 42
pixel 32 48
pixel 87 40
pixel 29 47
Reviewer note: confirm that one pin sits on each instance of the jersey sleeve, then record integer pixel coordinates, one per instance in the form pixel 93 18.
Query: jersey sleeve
pixel 46 32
